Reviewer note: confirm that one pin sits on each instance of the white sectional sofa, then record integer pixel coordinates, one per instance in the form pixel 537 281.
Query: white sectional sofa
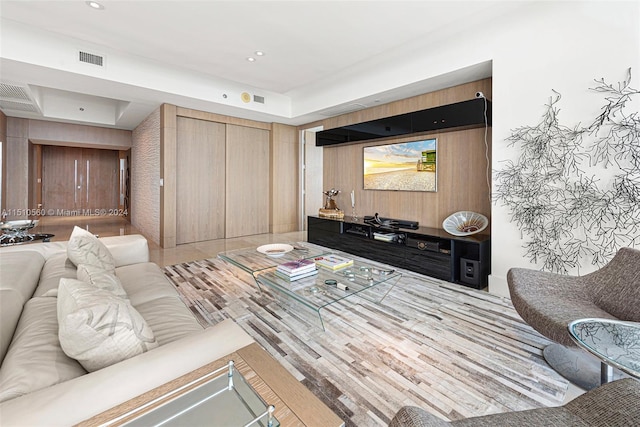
pixel 41 385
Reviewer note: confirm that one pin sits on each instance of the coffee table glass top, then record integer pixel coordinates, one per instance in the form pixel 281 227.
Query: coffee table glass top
pixel 319 290
pixel 308 297
pixel 615 342
pixel 252 261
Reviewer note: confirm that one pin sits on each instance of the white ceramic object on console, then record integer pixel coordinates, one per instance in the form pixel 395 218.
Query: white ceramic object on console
pixel 275 250
pixel 17 226
pixel 465 223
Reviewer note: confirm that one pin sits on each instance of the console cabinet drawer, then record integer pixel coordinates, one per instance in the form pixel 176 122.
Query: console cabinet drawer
pixel 434 264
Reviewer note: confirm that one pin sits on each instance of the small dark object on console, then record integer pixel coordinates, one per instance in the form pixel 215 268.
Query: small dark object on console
pixel 377 221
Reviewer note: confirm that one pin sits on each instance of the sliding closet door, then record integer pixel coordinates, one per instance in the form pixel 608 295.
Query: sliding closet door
pixel 247 186
pixel 200 180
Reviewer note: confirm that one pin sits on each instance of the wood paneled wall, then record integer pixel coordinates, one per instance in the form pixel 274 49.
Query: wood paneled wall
pixel 72 135
pixel 168 189
pixel 285 176
pixel 23 137
pixel 200 176
pixel 264 200
pixel 247 181
pixel 463 170
pixel 17 167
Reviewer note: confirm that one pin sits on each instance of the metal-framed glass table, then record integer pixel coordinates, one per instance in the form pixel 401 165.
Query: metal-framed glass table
pixel 311 295
pixel 223 397
pixel 256 378
pixel 614 342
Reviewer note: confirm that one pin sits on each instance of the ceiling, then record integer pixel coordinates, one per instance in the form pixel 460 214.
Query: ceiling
pixel 182 49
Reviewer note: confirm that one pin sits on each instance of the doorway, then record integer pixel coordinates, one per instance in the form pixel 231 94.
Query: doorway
pixel 80 181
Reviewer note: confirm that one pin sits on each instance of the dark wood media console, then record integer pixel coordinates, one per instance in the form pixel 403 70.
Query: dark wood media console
pixel 429 251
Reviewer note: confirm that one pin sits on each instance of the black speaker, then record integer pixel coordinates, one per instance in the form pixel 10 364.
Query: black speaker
pixel 470 271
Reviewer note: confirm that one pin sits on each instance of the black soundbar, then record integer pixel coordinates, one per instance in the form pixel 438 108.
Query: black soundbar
pixel 378 221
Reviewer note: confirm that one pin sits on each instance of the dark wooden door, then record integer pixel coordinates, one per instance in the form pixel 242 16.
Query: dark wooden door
pixel 79 181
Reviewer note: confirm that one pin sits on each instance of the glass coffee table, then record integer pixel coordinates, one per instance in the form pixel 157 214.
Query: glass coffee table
pixel 616 343
pixel 310 296
pixel 252 261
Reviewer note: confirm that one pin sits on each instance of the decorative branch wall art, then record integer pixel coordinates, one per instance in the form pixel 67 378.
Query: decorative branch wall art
pixel 565 212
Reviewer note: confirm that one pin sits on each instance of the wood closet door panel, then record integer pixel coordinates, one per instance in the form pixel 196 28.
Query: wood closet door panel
pixel 101 180
pixel 247 189
pixel 60 178
pixel 200 180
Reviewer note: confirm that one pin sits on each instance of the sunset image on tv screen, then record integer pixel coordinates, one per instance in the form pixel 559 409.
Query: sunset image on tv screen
pixel 406 166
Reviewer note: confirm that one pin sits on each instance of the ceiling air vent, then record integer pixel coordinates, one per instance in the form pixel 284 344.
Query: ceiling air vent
pixel 13 92
pixel 17 98
pixel 18 106
pixel 258 99
pixel 90 58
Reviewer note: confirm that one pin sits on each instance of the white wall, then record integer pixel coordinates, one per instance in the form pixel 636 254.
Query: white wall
pixel 534 47
pixel 561 46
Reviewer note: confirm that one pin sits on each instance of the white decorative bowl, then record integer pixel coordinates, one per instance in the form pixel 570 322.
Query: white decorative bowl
pixel 465 223
pixel 275 250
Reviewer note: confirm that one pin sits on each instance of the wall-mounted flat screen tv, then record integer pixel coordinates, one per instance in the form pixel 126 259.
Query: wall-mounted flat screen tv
pixel 404 166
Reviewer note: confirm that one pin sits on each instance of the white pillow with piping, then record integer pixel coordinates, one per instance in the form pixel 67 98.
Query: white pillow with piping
pixel 98 328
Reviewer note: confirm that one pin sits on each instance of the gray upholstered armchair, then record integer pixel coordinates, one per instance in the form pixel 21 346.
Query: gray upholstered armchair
pixel 549 302
pixel 614 405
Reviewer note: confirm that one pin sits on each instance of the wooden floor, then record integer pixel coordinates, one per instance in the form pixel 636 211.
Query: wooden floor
pixel 454 351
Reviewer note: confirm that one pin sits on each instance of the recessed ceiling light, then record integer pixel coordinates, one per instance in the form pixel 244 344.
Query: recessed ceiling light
pixel 251 59
pixel 259 53
pixel 95 5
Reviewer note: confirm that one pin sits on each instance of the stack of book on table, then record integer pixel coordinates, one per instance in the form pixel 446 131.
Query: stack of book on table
pixel 294 270
pixel 333 262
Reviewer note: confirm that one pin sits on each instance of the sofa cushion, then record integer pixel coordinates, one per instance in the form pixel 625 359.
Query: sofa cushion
pixel 98 328
pixel 169 319
pixel 151 293
pixel 145 282
pixel 35 359
pixel 19 273
pixel 56 267
pixel 100 278
pixel 85 248
pixel 11 303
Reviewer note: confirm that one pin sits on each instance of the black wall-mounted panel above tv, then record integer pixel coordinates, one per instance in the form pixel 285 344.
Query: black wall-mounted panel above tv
pixel 465 113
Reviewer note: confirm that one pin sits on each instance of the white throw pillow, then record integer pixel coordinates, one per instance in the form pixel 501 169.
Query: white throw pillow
pixel 85 248
pixel 102 279
pixel 98 328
